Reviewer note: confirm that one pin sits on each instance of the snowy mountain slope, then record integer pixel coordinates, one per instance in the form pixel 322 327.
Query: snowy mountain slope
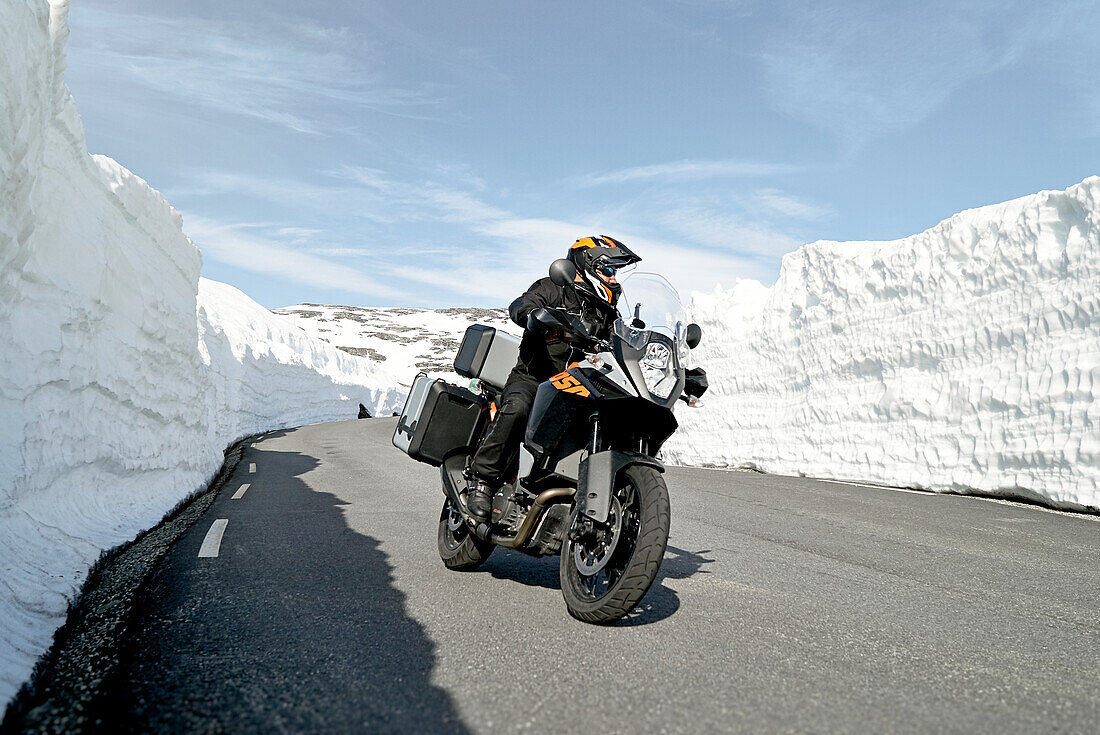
pixel 965 358
pixel 403 341
pixel 123 376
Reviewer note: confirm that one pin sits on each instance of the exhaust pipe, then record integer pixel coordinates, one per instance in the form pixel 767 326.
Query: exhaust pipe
pixel 544 500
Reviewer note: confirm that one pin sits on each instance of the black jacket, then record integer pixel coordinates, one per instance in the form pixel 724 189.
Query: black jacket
pixel 542 357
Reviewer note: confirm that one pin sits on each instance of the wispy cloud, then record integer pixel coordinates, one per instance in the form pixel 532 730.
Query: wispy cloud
pixel 727 233
pixel 692 267
pixel 419 199
pixel 212 183
pixel 774 200
pixel 863 70
pixel 296 234
pixel 325 195
pixel 242 247
pixel 686 170
pixel 471 248
pixel 300 76
pixel 526 246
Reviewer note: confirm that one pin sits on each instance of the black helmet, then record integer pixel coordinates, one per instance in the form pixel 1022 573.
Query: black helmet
pixel 596 258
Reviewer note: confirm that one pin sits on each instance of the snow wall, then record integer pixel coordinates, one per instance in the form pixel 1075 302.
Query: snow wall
pixel 123 375
pixel 963 359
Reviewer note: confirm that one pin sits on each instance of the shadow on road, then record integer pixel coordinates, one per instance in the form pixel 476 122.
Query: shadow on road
pixel 297 626
pixel 659 603
pixel 681 563
pixel 528 570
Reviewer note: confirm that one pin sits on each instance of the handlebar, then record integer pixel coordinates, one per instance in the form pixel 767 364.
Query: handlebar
pixel 600 345
pixel 546 318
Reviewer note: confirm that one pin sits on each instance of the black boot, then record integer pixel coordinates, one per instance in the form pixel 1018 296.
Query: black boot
pixel 479 500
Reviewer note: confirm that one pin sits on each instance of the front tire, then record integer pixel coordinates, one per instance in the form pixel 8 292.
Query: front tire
pixel 604 575
pixel 459 549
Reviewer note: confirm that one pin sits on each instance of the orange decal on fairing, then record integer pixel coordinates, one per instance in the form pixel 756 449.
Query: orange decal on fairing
pixel 567 383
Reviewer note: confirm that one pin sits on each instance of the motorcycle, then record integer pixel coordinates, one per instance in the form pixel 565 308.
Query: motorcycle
pixel 588 486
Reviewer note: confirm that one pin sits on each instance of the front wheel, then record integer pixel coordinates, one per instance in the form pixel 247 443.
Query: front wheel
pixel 458 547
pixel 607 569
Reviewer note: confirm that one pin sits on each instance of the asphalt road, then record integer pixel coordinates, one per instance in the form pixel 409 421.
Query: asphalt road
pixel 784 605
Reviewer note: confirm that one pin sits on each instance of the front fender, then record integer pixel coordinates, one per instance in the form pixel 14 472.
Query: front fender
pixel 596 480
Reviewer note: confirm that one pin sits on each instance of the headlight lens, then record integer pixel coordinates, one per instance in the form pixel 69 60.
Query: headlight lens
pixel 658 369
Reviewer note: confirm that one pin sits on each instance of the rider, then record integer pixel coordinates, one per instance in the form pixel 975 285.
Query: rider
pixel 593 296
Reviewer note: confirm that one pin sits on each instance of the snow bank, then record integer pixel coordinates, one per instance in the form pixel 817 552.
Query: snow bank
pixel 122 376
pixel 962 359
pixel 266 372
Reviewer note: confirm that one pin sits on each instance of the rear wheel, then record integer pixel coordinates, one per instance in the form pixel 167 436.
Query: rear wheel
pixel 606 569
pixel 458 547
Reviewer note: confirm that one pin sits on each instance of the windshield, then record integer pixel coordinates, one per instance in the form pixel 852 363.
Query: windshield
pixel 650 304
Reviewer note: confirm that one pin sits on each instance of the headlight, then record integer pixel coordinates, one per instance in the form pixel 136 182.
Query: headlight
pixel 658 369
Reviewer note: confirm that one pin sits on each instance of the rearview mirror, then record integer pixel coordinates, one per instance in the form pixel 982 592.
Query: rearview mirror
pixel 694 334
pixel 562 272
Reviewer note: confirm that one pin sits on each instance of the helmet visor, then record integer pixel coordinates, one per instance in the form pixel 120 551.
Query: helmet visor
pixel 609 265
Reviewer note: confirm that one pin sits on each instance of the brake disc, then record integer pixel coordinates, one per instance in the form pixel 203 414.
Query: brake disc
pixel 592 555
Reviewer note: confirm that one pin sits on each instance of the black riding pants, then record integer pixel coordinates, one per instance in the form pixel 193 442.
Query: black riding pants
pixel 495 460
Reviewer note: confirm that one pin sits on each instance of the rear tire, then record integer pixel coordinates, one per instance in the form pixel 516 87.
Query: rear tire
pixel 615 589
pixel 459 548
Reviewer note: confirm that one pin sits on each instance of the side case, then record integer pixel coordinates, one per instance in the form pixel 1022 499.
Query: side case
pixel 438 419
pixel 414 404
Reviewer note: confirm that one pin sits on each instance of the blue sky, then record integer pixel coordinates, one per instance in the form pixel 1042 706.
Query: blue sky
pixel 439 153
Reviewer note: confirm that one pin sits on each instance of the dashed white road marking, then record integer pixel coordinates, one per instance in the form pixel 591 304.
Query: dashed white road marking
pixel 251 466
pixel 240 493
pixel 212 544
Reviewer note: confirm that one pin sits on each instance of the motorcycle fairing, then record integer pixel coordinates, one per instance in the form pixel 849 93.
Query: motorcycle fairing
pixel 632 417
pixel 558 424
pixel 559 421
